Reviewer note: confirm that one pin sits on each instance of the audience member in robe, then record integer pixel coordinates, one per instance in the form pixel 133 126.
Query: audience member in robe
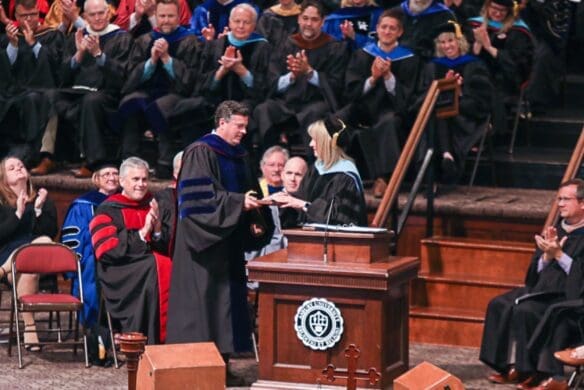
pixel 139 16
pixel 293 173
pixel 26 216
pixel 233 67
pixel 93 74
pixel 8 12
pixel 218 218
pixel 503 41
pixel 272 165
pixel 455 136
pixel 382 84
pixel 278 22
pixel 332 191
pixel 161 67
pixel 131 250
pixel 554 275
pixel 354 22
pixel 34 54
pixel 76 235
pixel 306 80
pixel 64 15
pixel 211 19
pixel 420 20
pixel 550 22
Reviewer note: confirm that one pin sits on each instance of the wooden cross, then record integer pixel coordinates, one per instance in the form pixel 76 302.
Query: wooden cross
pixel 352 353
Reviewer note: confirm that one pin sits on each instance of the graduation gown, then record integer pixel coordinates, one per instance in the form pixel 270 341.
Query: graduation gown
pixel 196 112
pixel 90 92
pixel 302 102
pixel 378 118
pixel 419 28
pixel 31 76
pixel 15 232
pixel 276 26
pixel 134 274
pixel 211 12
pixel 208 295
pixel 364 21
pixel 506 321
pixel 150 97
pixel 458 134
pixel 76 235
pixel 510 69
pixel 126 8
pixel 342 189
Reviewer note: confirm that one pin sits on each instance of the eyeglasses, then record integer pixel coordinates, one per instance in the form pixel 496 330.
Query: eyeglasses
pixel 30 15
pixel 565 198
pixel 109 174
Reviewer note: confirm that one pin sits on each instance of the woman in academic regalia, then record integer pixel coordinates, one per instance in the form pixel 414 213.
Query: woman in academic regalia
pixel 504 42
pixel 26 216
pixel 456 135
pixel 354 22
pixel 332 191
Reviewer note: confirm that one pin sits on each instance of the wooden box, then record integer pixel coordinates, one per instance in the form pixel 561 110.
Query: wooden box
pixel 181 366
pixel 426 376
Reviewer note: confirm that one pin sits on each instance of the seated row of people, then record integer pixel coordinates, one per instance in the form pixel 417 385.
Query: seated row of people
pixel 289 88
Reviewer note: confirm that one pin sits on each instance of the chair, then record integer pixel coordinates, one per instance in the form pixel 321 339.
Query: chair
pixel 566 357
pixel 484 142
pixel 522 111
pixel 46 258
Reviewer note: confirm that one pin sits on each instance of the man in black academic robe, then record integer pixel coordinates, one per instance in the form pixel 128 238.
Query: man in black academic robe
pixel 162 67
pixel 306 80
pixel 130 247
pixel 421 18
pixel 233 67
pixel 279 22
pixel 217 219
pixel 93 73
pixel 383 87
pixel 34 54
pixel 554 275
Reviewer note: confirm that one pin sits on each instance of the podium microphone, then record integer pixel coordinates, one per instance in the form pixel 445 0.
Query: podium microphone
pixel 326 229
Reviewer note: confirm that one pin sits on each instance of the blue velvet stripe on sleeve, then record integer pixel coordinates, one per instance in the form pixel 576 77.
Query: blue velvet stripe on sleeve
pixel 196 196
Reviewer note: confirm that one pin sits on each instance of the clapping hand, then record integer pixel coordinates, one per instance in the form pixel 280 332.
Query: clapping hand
pixel 348 30
pixel 549 243
pixel 21 203
pixel 40 199
pixel 380 68
pixel 12 34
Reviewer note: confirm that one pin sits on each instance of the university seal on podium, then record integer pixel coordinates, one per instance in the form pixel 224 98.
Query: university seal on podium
pixel 318 324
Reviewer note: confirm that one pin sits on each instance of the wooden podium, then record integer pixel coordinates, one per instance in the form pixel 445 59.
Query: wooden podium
pixel 368 286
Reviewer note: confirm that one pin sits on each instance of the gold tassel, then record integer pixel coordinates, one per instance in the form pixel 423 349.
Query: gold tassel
pixel 338 133
pixel 457 29
pixel 516 9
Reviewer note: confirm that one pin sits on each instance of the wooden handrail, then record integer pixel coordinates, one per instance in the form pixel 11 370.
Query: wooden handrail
pixel 570 173
pixel 405 158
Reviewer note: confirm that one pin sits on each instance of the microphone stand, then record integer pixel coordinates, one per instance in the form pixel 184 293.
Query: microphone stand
pixel 326 230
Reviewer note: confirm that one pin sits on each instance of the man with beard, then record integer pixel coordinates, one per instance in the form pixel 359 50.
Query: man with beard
pixel 162 73
pixel 421 17
pixel 130 247
pixel 306 77
pixel 218 218
pixel 33 54
pixel 383 84
pixel 555 275
pixel 93 71
pixel 232 67
pixel 139 16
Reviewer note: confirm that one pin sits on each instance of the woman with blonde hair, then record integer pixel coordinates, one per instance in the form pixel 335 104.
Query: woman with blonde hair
pixel 504 42
pixel 332 190
pixel 455 136
pixel 26 216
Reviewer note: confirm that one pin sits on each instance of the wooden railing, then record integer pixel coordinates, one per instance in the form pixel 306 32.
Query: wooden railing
pixel 392 190
pixel 570 173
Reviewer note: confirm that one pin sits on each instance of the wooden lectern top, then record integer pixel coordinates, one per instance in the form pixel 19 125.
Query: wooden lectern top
pixel 309 246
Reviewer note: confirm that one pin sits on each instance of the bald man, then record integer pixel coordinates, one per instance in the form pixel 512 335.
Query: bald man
pixel 293 172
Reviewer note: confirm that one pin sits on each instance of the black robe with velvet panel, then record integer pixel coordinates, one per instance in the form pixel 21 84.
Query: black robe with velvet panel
pixel 134 274
pixel 30 78
pixel 275 27
pixel 506 321
pixel 379 119
pixel 208 295
pixel 194 115
pixel 148 103
pixel 344 190
pixel 458 134
pixel 302 103
pixel 90 94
